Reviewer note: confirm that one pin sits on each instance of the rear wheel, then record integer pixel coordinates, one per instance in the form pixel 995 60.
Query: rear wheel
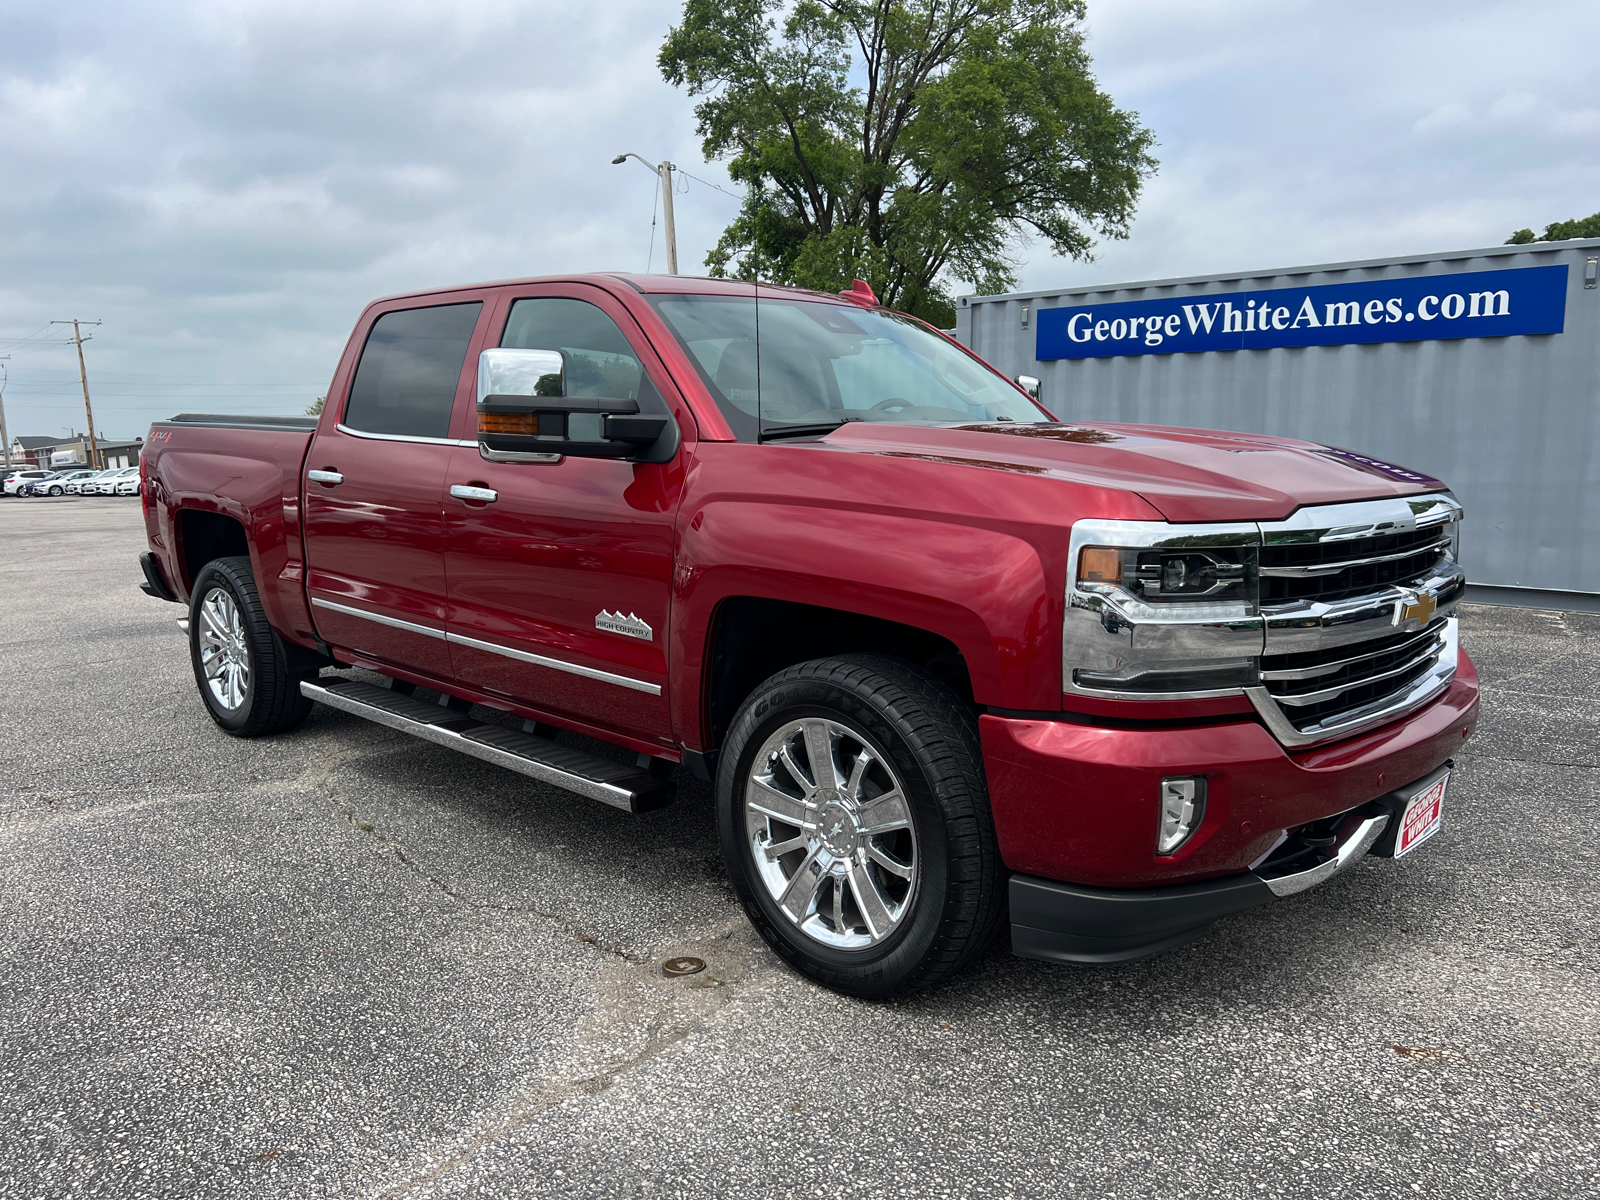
pixel 240 664
pixel 856 825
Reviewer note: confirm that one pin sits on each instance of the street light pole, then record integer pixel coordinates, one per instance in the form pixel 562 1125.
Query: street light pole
pixel 83 374
pixel 663 172
pixel 5 438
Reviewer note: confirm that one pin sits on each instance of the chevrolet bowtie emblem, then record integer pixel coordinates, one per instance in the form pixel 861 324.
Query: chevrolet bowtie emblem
pixel 1421 608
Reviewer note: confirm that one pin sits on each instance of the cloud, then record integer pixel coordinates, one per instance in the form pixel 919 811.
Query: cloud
pixel 226 183
pixel 1300 133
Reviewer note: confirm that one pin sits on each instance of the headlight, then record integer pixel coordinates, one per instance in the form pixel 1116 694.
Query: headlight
pixel 1162 611
pixel 1212 575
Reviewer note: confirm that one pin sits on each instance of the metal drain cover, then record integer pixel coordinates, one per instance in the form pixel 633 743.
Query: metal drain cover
pixel 683 966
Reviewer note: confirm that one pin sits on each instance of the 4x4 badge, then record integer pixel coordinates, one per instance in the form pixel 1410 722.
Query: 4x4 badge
pixel 627 626
pixel 1421 608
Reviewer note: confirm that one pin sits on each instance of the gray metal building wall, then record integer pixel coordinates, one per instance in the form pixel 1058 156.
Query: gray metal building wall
pixel 1512 424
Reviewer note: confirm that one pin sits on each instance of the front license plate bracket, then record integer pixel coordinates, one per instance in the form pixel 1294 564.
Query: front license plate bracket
pixel 1415 813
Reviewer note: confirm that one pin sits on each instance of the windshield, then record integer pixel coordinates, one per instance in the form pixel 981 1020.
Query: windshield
pixel 801 364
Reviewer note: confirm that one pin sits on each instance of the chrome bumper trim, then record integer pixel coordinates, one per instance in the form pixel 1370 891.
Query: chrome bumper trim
pixel 1355 847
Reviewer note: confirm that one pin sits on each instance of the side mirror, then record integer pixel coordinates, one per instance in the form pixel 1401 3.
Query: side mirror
pixel 525 414
pixel 1028 384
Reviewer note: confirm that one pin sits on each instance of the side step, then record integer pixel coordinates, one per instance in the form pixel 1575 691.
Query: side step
pixel 620 785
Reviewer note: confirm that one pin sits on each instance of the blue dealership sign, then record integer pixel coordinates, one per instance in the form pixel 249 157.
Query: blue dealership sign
pixel 1406 309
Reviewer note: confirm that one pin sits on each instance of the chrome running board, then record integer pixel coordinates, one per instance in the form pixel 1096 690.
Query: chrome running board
pixel 621 785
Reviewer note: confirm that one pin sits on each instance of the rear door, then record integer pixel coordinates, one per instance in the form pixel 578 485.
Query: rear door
pixel 560 586
pixel 374 487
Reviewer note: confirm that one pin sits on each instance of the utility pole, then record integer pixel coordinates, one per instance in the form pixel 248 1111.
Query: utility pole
pixel 664 172
pixel 5 438
pixel 83 374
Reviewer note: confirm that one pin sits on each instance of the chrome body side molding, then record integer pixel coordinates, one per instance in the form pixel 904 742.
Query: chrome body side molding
pixel 378 618
pixel 460 639
pixel 400 437
pixel 555 664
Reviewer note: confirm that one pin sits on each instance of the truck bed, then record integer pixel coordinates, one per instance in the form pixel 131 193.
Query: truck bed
pixel 223 483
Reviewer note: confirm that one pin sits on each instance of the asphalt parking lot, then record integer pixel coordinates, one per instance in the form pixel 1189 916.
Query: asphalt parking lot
pixel 346 963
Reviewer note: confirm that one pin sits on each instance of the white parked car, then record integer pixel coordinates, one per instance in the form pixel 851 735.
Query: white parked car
pixel 80 482
pixel 106 484
pixel 18 479
pixel 53 484
pixel 130 485
pixel 71 481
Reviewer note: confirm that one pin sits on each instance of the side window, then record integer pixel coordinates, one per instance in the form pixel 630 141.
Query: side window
pixel 406 380
pixel 600 363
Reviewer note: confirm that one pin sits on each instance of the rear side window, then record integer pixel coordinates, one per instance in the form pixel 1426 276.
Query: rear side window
pixel 406 381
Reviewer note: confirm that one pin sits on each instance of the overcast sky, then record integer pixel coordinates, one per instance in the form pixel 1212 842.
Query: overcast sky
pixel 225 183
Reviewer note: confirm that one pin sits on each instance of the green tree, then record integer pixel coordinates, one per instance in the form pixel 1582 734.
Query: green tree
pixel 314 409
pixel 910 143
pixel 1560 231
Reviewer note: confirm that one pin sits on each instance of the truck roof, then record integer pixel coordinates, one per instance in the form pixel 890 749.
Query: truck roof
pixel 700 285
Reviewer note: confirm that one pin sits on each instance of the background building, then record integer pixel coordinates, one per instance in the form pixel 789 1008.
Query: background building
pixel 57 454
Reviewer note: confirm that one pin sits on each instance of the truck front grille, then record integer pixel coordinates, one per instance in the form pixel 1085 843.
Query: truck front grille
pixel 1329 571
pixel 1320 688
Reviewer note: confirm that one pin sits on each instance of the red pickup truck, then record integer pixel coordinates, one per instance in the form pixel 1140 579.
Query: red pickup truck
pixel 949 661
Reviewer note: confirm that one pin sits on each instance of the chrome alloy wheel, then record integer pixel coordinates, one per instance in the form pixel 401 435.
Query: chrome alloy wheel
pixel 829 828
pixel 224 653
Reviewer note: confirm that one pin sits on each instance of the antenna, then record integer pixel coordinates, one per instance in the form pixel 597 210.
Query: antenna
pixel 760 192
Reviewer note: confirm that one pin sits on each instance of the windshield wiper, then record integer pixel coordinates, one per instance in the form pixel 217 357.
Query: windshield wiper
pixel 815 429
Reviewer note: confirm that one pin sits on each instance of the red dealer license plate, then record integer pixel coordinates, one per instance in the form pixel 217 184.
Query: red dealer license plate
pixel 1422 815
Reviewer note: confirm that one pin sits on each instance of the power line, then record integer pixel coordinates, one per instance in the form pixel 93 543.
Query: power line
pixel 709 184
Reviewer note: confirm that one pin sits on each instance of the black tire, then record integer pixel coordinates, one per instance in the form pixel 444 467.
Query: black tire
pixel 955 902
pixel 270 700
pixel 55 491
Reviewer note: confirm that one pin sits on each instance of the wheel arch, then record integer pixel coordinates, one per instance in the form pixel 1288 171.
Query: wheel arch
pixel 205 535
pixel 752 638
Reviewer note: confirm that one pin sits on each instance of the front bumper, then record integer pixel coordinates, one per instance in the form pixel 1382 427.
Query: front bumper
pixel 1076 801
pixel 1063 922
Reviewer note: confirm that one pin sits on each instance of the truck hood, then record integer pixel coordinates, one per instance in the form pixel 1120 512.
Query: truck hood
pixel 1185 474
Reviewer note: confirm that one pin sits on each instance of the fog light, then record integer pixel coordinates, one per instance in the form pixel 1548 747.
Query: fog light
pixel 1183 807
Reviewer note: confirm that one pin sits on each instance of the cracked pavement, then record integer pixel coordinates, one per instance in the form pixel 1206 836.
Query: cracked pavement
pixel 346 963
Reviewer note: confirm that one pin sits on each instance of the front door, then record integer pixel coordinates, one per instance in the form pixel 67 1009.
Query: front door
pixel 374 521
pixel 560 585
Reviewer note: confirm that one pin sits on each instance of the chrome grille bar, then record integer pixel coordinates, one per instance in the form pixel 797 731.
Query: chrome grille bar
pixel 1430 634
pixel 1437 546
pixel 1301 699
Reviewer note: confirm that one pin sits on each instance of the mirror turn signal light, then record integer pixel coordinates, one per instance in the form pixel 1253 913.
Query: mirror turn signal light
pixel 1099 564
pixel 517 424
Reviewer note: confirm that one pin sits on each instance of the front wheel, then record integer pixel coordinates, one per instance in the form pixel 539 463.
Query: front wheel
pixel 856 825
pixel 240 664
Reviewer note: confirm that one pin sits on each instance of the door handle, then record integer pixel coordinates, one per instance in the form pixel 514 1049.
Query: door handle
pixel 331 478
pixel 465 491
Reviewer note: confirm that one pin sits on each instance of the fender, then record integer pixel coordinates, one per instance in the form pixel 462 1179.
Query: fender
pixel 984 591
